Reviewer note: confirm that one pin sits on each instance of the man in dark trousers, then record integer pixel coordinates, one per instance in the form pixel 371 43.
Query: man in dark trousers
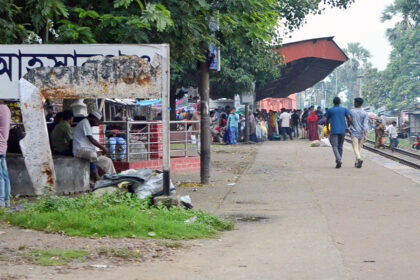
pixel 337 117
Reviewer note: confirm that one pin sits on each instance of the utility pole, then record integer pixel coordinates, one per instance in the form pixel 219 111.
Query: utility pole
pixel 336 83
pixel 205 137
pixel 360 84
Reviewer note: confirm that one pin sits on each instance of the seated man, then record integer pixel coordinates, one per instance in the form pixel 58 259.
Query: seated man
pixel 62 135
pixel 84 144
pixel 116 134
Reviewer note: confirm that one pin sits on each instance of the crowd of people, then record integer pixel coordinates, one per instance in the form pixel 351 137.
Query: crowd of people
pixel 329 126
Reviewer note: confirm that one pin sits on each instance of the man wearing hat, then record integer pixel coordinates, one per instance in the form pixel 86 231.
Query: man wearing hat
pixel 84 145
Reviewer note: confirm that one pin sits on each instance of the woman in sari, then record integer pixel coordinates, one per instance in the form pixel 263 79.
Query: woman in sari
pixel 312 127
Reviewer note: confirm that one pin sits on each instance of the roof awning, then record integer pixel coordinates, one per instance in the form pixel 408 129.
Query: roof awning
pixel 306 63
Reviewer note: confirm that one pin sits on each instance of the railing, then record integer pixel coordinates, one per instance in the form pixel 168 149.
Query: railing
pixel 133 141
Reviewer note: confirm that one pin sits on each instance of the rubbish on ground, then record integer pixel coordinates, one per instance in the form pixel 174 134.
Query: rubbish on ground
pixel 195 189
pixel 231 184
pixel 143 182
pixel 191 220
pixel 99 265
pixel 315 143
pixel 325 142
pixel 151 234
pixel 186 201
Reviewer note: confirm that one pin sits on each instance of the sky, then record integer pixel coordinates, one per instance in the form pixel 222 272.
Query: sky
pixel 359 23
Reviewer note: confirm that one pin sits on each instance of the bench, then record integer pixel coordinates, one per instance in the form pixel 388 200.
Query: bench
pixel 72 175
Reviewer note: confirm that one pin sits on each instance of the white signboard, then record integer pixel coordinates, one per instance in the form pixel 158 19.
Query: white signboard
pixel 17 60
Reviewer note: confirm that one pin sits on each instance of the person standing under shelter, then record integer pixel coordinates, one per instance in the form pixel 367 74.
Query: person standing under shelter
pixel 233 126
pixel 295 123
pixel 393 136
pixel 84 144
pixel 312 127
pixel 285 124
pixel 337 117
pixel 5 118
pixel 358 129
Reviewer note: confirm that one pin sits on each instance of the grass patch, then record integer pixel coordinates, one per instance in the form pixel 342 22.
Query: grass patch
pixel 124 253
pixel 405 143
pixel 55 257
pixel 114 215
pixel 172 244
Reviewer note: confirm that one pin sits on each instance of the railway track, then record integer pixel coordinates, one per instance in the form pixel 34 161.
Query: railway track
pixel 402 156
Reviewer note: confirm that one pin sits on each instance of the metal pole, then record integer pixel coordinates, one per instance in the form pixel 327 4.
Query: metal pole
pixel 165 122
pixel 336 83
pixel 246 123
pixel 186 138
pixel 127 141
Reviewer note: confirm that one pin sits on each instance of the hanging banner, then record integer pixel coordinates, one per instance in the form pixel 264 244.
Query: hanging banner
pixel 214 50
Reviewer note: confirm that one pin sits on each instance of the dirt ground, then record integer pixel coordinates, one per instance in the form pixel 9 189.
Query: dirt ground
pixel 228 163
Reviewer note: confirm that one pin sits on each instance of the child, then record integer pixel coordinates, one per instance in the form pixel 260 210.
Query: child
pixel 233 124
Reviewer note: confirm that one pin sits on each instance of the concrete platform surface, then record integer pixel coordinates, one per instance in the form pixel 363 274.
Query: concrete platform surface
pixel 300 218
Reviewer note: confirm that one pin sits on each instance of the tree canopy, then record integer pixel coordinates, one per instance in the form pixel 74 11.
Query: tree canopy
pixel 247 31
pixel 398 86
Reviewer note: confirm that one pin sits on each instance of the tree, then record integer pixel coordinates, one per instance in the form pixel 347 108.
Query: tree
pixel 398 86
pixel 247 31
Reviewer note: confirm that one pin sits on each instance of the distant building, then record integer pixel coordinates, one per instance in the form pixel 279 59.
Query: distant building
pixel 414 120
pixel 276 104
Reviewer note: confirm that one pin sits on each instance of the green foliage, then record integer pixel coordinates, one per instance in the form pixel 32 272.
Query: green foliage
pixel 124 253
pixel 247 31
pixel 116 215
pixel 398 86
pixel 55 257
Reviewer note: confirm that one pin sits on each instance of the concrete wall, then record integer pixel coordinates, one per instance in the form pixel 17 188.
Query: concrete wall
pixel 72 175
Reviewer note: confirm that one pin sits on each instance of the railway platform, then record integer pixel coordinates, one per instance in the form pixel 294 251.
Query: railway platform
pixel 297 217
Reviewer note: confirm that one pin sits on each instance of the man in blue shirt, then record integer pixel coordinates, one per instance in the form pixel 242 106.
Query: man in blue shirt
pixel 337 116
pixel 233 125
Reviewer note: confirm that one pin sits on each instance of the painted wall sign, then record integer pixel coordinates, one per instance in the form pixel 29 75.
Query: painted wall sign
pixel 17 60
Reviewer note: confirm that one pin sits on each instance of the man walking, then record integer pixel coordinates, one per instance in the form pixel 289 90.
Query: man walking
pixel 337 117
pixel 5 118
pixel 393 136
pixel 84 144
pixel 358 129
pixel 285 124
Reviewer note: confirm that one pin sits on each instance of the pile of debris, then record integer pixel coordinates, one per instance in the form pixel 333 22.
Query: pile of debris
pixel 144 183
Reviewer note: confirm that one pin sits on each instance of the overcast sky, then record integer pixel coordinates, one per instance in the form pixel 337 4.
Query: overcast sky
pixel 360 23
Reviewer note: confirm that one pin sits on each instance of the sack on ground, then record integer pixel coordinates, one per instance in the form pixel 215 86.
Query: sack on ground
pixel 315 143
pixel 325 142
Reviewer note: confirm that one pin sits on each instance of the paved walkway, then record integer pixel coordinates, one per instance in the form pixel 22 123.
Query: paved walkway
pixel 317 223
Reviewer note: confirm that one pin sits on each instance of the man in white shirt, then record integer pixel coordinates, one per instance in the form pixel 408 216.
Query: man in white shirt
pixel 285 124
pixel 84 145
pixel 393 135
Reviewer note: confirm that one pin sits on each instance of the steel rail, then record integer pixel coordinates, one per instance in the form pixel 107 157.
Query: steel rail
pixel 391 156
pixel 401 151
